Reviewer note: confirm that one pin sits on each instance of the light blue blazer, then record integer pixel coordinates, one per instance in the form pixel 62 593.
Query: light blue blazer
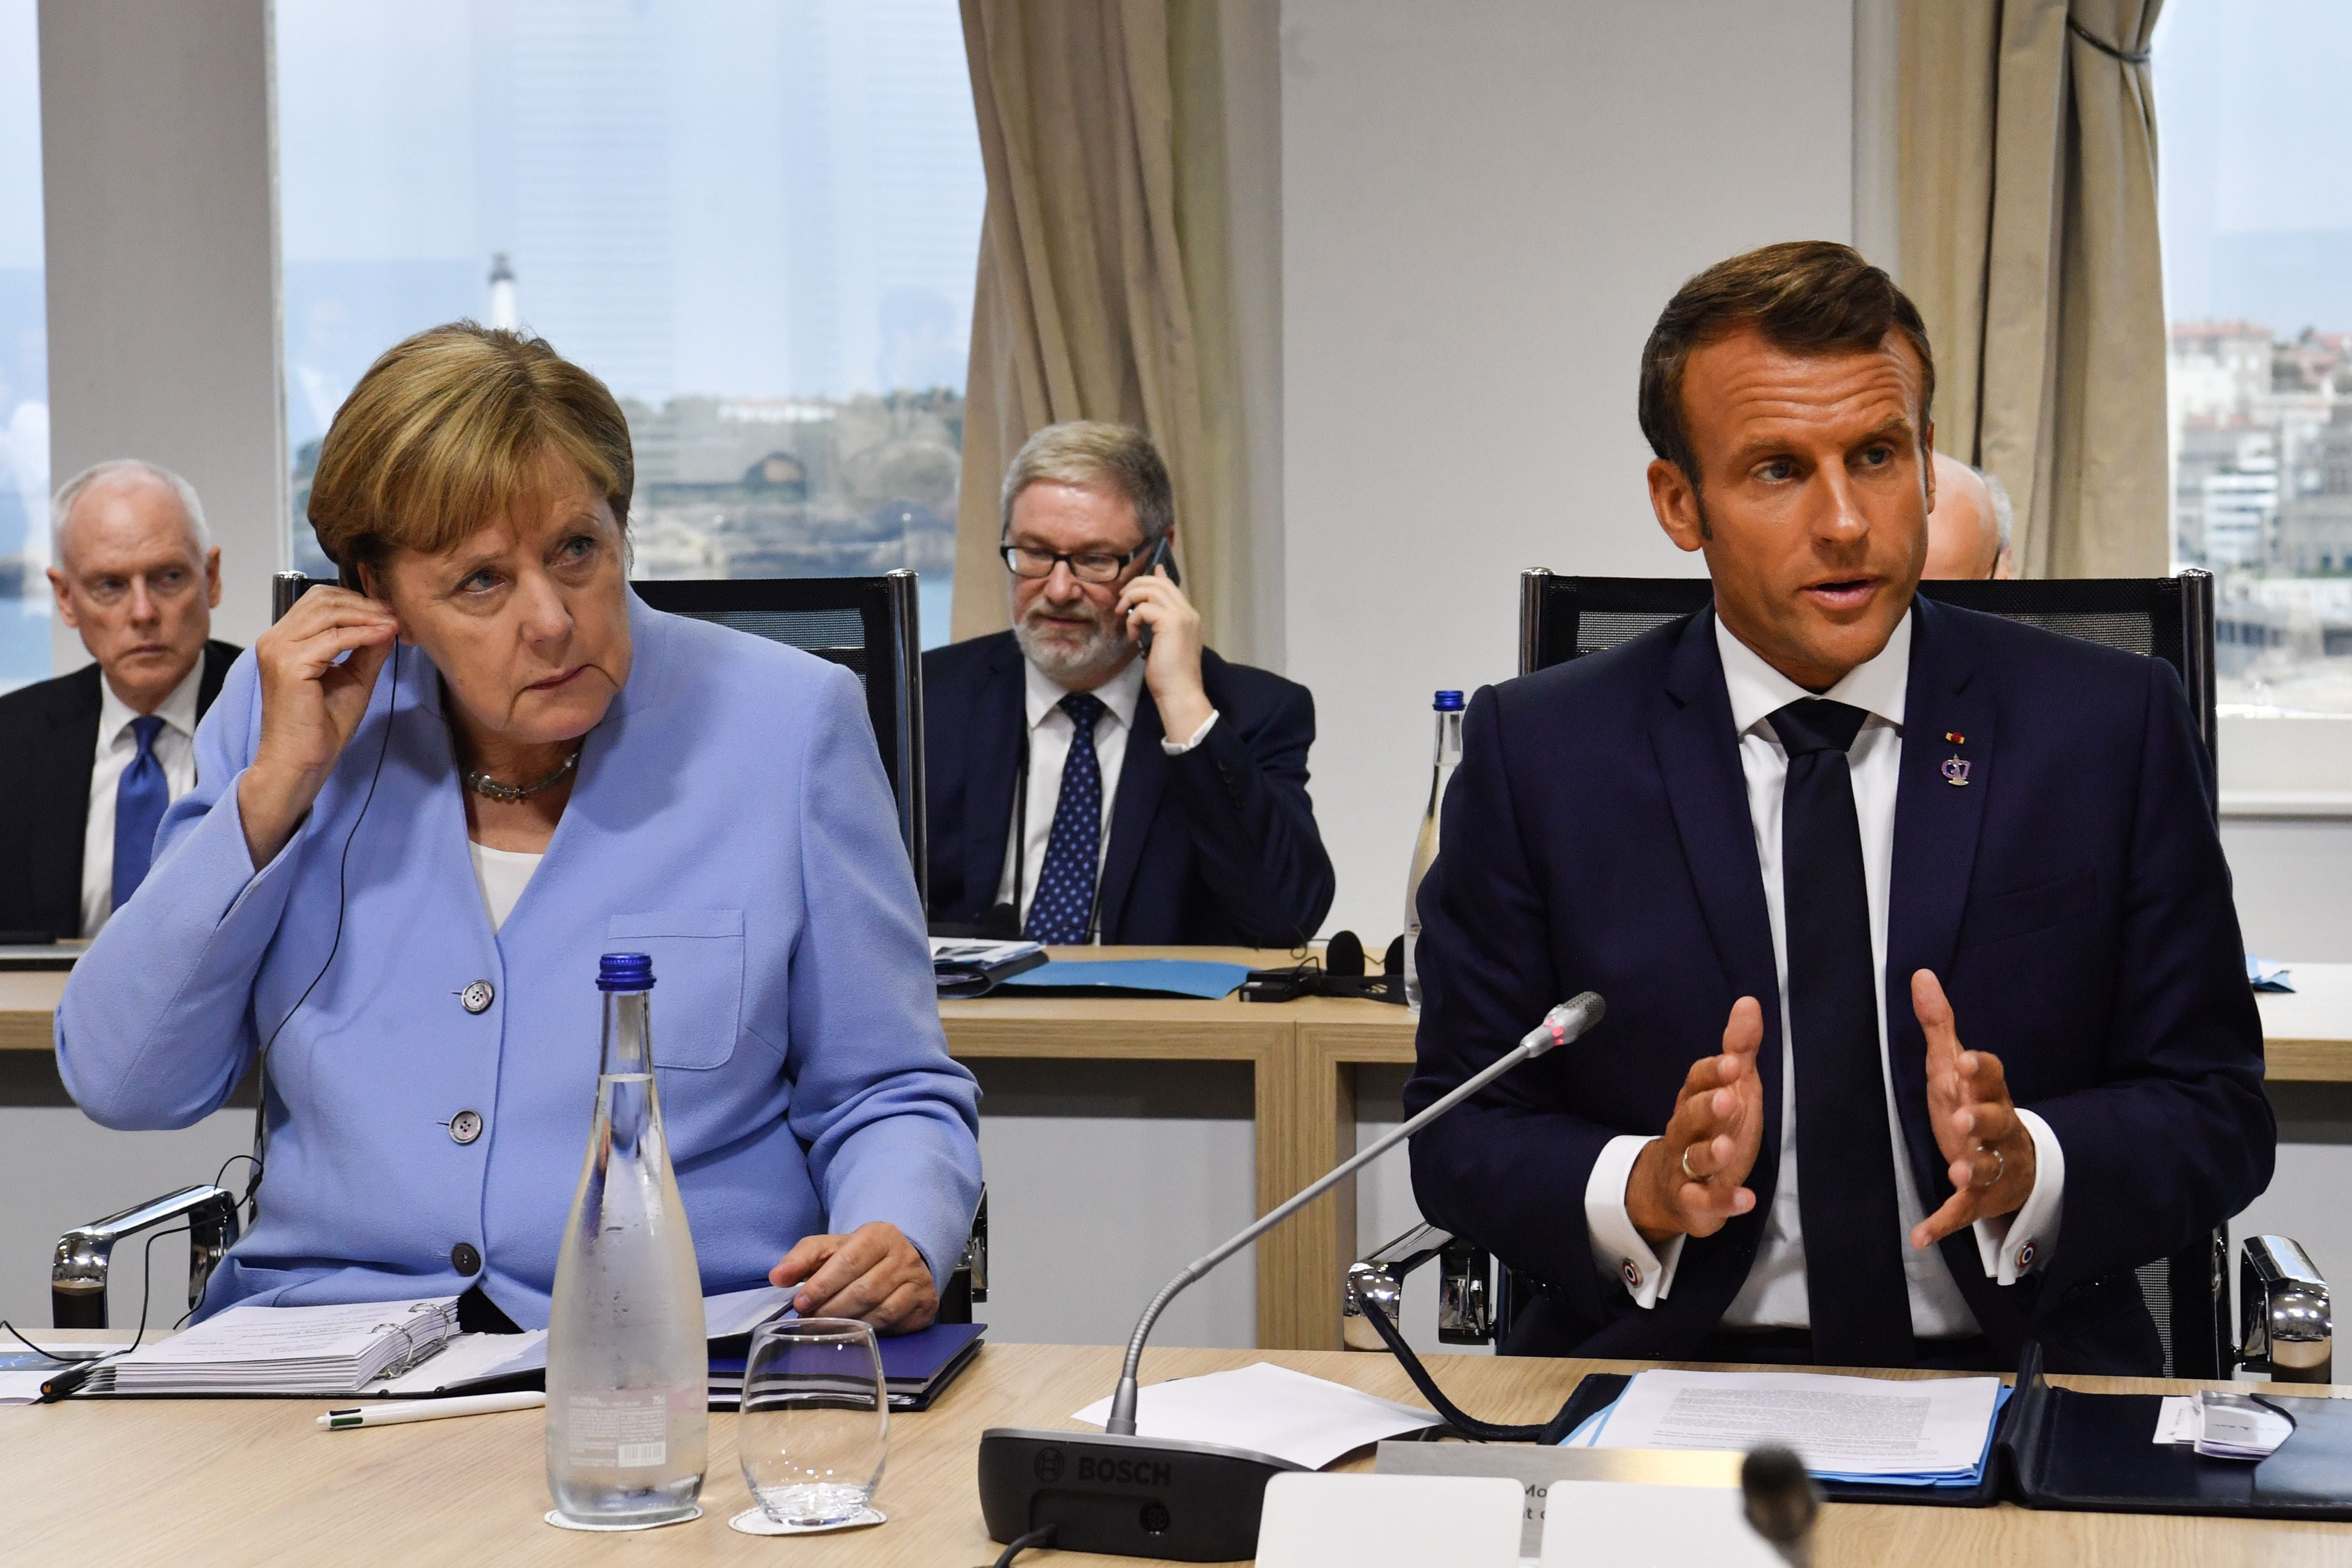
pixel 730 817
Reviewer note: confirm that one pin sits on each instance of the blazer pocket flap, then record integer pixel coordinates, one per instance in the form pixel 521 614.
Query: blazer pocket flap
pixel 697 998
pixel 2025 911
pixel 675 922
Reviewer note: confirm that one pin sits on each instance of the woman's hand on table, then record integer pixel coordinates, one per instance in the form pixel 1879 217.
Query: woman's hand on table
pixel 311 705
pixel 873 1273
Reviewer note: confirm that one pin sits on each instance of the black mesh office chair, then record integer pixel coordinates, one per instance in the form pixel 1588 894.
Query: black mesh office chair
pixel 2171 618
pixel 867 624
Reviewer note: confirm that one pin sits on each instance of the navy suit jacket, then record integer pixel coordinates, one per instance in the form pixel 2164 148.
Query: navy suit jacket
pixel 2072 897
pixel 1216 846
pixel 48 744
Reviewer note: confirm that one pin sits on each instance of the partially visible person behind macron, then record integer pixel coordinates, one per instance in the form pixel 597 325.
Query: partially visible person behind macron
pixel 426 809
pixel 1184 818
pixel 1969 531
pixel 90 760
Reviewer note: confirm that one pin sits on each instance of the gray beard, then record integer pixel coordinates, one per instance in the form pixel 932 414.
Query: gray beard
pixel 1088 665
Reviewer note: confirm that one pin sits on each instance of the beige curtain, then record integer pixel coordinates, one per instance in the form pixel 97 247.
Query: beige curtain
pixel 2030 242
pixel 1100 132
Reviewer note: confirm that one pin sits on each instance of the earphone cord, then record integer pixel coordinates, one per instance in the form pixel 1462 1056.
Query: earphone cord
pixel 250 1201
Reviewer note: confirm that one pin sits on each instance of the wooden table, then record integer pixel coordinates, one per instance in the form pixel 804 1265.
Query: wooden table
pixel 1303 1057
pixel 205 1483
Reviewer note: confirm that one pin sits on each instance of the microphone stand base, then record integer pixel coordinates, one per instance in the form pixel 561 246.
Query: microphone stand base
pixel 1132 1497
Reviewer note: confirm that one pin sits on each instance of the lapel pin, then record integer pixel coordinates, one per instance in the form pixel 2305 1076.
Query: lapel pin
pixel 1955 772
pixel 1956 738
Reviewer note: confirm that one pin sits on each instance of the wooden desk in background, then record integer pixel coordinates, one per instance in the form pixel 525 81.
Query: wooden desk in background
pixel 209 1484
pixel 1303 1057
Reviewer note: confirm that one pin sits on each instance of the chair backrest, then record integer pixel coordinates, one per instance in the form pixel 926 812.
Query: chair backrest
pixel 869 624
pixel 2171 618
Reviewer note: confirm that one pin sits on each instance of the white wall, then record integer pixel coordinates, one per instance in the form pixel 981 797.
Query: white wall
pixel 1484 205
pixel 162 268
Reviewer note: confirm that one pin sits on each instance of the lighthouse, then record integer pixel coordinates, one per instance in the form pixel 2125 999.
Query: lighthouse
pixel 502 294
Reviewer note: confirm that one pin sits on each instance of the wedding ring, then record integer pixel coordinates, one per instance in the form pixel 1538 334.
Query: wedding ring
pixel 2001 1164
pixel 1689 1174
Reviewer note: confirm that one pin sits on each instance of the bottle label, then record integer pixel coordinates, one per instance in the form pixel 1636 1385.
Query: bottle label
pixel 621 1428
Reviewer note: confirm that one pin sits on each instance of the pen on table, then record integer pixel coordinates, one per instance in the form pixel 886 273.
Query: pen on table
pixel 66 1382
pixel 431 1409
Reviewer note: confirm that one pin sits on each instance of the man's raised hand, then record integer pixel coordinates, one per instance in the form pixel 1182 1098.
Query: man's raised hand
pixel 1989 1150
pixel 1689 1182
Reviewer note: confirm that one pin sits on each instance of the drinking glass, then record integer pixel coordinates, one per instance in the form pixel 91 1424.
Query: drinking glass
pixel 815 1430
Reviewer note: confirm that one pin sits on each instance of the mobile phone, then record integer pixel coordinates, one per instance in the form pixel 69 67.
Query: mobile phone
pixel 1159 557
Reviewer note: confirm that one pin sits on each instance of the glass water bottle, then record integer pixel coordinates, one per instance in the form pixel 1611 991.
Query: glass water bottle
pixel 1424 848
pixel 628 1374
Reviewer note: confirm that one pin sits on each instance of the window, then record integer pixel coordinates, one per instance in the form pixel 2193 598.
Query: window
pixel 757 220
pixel 24 360
pixel 2256 209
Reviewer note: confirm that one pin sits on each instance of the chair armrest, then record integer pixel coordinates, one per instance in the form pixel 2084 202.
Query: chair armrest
pixel 2286 1326
pixel 77 1276
pixel 1378 1280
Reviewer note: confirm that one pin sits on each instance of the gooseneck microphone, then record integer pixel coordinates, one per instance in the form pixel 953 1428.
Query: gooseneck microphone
pixel 1190 1501
pixel 1561 1025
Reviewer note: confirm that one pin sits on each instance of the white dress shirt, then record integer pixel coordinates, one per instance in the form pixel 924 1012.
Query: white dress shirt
pixel 1774 1294
pixel 1050 730
pixel 175 748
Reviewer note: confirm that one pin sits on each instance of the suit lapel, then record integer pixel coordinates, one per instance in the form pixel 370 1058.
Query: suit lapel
pixel 219 656
pixel 999 730
pixel 1697 752
pixel 1937 821
pixel 61 793
pixel 1142 776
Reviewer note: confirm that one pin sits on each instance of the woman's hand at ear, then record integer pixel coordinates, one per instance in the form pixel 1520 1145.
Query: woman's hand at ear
pixel 312 700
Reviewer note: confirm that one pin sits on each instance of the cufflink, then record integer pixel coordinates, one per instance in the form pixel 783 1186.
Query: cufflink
pixel 1631 1275
pixel 2025 1257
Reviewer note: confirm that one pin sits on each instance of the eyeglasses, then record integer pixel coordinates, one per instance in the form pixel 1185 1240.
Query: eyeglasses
pixel 1087 565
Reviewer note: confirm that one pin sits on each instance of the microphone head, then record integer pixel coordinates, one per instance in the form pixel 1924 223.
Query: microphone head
pixel 1780 1500
pixel 1566 1021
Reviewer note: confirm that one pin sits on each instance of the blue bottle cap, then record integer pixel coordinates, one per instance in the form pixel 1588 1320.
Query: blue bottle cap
pixel 625 971
pixel 1448 702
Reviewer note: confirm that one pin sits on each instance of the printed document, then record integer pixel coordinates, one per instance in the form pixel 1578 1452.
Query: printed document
pixel 1847 1426
pixel 1267 1409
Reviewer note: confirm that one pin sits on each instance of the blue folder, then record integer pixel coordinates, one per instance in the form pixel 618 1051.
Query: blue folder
pixel 1184 977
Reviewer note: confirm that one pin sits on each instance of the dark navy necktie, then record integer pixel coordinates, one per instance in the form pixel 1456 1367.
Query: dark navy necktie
pixel 1860 1304
pixel 140 798
pixel 1064 907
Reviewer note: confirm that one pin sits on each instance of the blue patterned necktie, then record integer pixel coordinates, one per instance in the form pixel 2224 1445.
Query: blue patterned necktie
pixel 1065 905
pixel 140 798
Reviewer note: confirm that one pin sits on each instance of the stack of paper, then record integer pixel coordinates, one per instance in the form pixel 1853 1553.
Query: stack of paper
pixel 288 1349
pixel 468 1362
pixel 1929 1432
pixel 2222 1426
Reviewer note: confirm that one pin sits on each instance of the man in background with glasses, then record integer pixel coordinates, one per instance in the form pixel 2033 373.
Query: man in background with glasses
pixel 1095 774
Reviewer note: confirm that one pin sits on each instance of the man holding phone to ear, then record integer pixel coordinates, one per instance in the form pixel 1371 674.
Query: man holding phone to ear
pixel 1062 803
